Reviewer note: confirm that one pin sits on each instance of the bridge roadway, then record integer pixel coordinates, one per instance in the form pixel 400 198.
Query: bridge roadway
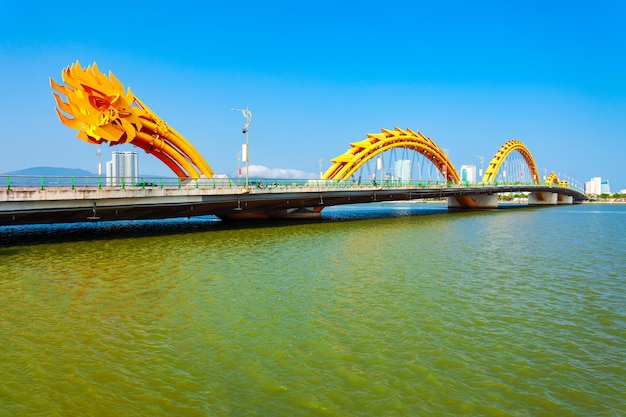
pixel 67 204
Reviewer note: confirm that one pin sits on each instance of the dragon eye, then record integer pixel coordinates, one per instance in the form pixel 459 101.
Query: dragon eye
pixel 99 102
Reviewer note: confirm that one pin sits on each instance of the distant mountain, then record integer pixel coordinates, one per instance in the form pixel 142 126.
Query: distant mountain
pixel 50 176
pixel 52 172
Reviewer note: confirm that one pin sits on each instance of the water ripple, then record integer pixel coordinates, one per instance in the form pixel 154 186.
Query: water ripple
pixel 519 312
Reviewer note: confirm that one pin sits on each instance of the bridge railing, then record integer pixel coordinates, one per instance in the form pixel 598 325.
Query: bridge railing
pixel 46 182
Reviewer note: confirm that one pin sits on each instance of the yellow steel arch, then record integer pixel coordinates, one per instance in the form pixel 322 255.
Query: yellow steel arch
pixel 553 179
pixel 99 108
pixel 503 152
pixel 345 165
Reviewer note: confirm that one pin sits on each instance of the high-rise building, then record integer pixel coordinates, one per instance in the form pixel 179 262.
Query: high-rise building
pixel 468 173
pixel 402 170
pixel 123 168
pixel 594 186
pixel 604 187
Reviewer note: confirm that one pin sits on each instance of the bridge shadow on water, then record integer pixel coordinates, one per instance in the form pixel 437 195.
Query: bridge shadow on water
pixel 24 235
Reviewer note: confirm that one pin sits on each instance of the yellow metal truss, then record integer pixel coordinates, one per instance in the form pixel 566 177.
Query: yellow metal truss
pixel 553 179
pixel 101 111
pixel 345 165
pixel 503 152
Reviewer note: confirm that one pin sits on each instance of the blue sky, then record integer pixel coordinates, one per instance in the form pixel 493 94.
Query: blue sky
pixel 318 75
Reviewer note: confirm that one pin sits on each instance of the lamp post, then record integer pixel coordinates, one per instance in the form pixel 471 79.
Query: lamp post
pixel 98 153
pixel 482 161
pixel 244 149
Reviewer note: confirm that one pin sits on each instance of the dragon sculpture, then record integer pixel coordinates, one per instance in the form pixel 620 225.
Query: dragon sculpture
pixel 101 111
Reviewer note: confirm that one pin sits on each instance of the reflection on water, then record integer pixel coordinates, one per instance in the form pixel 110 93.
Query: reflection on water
pixel 35 234
pixel 393 309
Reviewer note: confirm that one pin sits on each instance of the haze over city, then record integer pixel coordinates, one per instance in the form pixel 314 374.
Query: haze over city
pixel 318 76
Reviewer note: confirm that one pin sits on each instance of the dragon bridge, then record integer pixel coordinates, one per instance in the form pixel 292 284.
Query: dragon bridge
pixel 101 111
pixel 345 165
pixel 98 107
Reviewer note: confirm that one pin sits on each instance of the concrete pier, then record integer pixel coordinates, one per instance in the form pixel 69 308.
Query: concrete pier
pixel 565 199
pixel 479 201
pixel 542 198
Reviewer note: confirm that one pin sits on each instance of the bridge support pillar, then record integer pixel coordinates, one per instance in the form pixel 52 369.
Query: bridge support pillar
pixel 542 199
pixel 564 199
pixel 479 201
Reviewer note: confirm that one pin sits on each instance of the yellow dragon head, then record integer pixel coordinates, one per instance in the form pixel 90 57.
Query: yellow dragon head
pixel 101 111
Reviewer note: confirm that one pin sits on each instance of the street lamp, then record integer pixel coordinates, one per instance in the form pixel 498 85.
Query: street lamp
pixel 482 161
pixel 244 149
pixel 98 153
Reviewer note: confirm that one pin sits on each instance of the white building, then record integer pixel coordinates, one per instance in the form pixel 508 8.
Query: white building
pixel 123 168
pixel 594 186
pixel 402 170
pixel 468 173
pixel 604 187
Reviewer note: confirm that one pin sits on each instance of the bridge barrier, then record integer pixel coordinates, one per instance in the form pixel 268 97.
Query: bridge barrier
pixel 44 182
pixel 146 182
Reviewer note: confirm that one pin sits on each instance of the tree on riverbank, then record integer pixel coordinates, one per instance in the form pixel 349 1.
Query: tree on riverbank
pixel 616 197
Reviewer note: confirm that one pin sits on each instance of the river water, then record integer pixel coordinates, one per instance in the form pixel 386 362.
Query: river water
pixel 376 310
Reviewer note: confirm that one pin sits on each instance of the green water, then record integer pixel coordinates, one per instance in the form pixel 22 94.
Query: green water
pixel 372 312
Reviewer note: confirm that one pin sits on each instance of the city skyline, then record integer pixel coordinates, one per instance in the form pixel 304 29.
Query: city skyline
pixel 318 77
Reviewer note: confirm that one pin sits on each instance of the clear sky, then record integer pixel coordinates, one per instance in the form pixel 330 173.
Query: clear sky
pixel 318 75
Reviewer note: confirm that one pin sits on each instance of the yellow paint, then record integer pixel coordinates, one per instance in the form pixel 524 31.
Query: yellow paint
pixel 503 152
pixel 99 108
pixel 345 165
pixel 553 179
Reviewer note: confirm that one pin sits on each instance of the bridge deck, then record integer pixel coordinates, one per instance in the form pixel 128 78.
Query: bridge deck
pixel 33 205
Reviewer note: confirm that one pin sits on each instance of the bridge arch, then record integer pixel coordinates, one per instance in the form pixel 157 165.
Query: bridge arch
pixel 511 146
pixel 553 179
pixel 345 165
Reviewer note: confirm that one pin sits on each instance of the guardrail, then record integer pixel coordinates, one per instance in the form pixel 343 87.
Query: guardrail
pixel 44 182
